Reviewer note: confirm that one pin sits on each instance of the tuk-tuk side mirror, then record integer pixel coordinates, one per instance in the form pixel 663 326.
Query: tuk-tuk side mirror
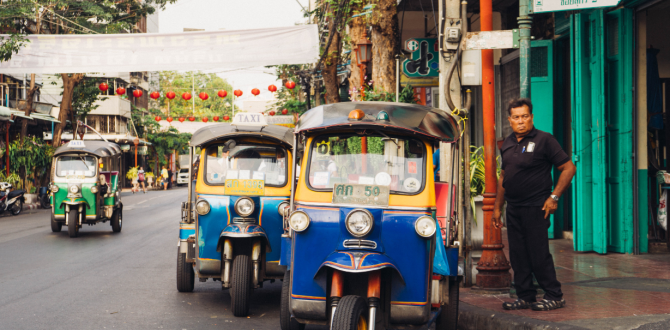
pixel 228 145
pixel 415 147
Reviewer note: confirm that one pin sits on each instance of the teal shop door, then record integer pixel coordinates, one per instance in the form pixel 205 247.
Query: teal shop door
pixel 588 120
pixel 542 91
pixel 619 139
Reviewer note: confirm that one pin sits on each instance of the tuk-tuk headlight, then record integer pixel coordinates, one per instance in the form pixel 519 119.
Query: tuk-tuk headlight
pixel 299 221
pixel 202 207
pixel 425 226
pixel 74 189
pixel 283 208
pixel 359 222
pixel 54 188
pixel 244 206
pixel 94 189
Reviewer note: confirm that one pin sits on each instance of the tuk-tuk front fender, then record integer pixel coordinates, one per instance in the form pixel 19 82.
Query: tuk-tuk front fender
pixel 243 230
pixel 74 201
pixel 358 262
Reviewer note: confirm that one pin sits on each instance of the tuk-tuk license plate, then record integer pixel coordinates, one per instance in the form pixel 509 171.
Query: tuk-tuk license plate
pixel 236 187
pixel 363 194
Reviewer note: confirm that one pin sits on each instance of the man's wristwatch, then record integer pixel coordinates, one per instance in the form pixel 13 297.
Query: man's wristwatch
pixel 554 197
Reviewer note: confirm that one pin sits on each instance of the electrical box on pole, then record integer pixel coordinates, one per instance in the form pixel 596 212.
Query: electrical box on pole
pixel 471 68
pixel 452 34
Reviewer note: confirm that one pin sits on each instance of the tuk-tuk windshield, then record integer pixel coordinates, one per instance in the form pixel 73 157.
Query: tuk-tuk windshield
pixel 246 161
pixel 76 165
pixel 395 162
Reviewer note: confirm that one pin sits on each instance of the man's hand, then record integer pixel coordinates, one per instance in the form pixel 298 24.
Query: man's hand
pixel 496 218
pixel 550 206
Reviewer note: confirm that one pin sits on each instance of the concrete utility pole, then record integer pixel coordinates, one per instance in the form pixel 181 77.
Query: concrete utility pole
pixel 493 267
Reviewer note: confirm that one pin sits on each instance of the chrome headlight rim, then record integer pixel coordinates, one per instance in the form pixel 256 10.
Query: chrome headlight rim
pixel 54 188
pixel 367 232
pixel 421 219
pixel 94 189
pixel 283 208
pixel 296 213
pixel 244 214
pixel 202 207
pixel 74 189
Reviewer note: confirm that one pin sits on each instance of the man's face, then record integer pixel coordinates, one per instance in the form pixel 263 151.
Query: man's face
pixel 521 120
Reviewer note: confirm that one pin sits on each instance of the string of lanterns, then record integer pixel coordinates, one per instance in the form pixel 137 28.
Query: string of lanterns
pixel 186 96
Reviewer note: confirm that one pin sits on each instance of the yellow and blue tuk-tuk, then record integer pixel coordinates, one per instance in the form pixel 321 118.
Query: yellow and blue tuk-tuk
pixel 231 231
pixel 85 186
pixel 365 250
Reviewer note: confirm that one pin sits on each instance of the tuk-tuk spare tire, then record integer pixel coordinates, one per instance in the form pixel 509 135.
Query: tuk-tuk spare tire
pixel 73 222
pixel 448 318
pixel 185 273
pixel 117 220
pixel 285 320
pixel 351 314
pixel 240 290
pixel 55 225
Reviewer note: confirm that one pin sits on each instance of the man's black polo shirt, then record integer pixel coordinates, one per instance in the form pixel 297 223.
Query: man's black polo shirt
pixel 527 165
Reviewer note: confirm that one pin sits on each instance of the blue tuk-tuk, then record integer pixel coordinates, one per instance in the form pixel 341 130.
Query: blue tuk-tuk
pixel 364 253
pixel 231 231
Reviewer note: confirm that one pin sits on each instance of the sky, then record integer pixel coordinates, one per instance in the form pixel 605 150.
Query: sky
pixel 213 15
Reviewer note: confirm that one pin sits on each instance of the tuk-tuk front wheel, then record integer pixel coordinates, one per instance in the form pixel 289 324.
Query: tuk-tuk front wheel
pixel 240 290
pixel 351 314
pixel 73 222
pixel 185 274
pixel 55 225
pixel 117 220
pixel 285 319
pixel 448 318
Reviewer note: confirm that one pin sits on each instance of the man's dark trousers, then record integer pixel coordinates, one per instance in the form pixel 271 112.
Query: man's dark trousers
pixel 529 253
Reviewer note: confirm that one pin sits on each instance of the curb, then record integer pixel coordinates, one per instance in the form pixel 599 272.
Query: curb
pixel 29 207
pixel 476 318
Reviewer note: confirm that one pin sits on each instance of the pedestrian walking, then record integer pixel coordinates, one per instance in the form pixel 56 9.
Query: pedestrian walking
pixel 164 177
pixel 141 179
pixel 135 185
pixel 528 156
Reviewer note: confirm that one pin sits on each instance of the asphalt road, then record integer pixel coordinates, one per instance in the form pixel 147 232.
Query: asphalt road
pixel 103 280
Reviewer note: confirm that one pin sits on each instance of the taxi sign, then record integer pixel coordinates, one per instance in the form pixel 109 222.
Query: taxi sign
pixel 249 119
pixel 241 187
pixel 76 144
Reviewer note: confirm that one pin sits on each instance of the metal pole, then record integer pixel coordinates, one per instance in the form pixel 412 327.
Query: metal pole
pixel 397 78
pixel 525 21
pixel 493 266
pixel 193 92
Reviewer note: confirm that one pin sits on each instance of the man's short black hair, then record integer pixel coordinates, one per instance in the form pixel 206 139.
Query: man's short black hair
pixel 516 103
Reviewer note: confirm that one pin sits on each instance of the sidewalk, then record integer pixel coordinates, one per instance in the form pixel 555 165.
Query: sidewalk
pixel 613 291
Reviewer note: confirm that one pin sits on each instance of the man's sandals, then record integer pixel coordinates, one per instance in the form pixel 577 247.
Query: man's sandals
pixel 543 305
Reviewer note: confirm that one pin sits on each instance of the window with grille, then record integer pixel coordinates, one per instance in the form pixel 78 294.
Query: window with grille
pixel 538 62
pixel 613 37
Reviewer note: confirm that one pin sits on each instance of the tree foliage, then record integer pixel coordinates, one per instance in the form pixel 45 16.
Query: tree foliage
pixel 10 45
pixel 32 158
pixel 83 98
pixel 181 82
pixel 163 141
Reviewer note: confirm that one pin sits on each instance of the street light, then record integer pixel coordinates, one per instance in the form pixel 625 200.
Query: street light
pixel 363 56
pixel 136 141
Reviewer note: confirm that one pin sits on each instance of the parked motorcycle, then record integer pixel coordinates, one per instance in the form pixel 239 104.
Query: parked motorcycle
pixel 11 200
pixel 44 194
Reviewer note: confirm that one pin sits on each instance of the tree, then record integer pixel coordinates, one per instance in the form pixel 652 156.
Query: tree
pixel 356 28
pixel 331 56
pixel 11 45
pixel 384 23
pixel 180 82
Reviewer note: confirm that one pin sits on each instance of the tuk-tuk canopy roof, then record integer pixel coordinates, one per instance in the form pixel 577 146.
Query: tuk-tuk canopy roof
pixel 97 148
pixel 212 132
pixel 402 117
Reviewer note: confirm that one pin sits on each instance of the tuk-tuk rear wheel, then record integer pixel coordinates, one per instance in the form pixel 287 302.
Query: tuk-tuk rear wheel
pixel 351 314
pixel 285 319
pixel 117 220
pixel 55 225
pixel 185 274
pixel 240 290
pixel 448 318
pixel 73 222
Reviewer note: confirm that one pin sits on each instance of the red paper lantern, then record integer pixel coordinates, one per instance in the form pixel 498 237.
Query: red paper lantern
pixel 222 93
pixel 284 111
pixel 290 84
pixel 137 93
pixel 155 95
pixel 186 96
pixel 103 87
pixel 237 93
pixel 204 120
pixel 181 119
pixel 169 119
pixel 203 96
pixel 191 118
pixel 158 118
pixel 272 113
pixel 272 88
pixel 171 95
pixel 120 91
pixel 215 118
pixel 255 91
pixel 226 118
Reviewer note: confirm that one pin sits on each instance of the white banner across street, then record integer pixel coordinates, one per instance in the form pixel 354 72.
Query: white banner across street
pixel 165 51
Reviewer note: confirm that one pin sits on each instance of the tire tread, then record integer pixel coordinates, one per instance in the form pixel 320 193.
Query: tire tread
pixel 185 274
pixel 347 312
pixel 240 290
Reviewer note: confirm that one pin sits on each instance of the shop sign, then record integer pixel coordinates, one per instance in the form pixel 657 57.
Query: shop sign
pixel 424 60
pixel 545 6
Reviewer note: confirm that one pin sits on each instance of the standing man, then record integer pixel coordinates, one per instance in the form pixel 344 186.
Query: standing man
pixel 528 156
